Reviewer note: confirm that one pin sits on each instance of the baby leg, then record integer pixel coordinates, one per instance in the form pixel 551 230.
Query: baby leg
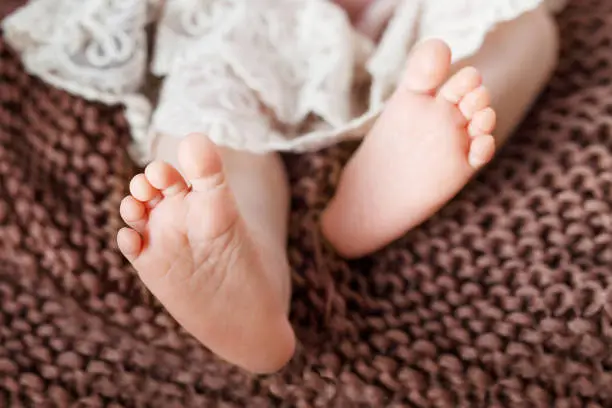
pixel 211 246
pixel 409 166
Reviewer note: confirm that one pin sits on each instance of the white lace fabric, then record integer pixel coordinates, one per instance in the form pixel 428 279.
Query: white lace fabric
pixel 257 75
pixel 93 48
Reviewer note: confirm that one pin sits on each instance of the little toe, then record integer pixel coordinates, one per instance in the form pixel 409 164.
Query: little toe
pixel 129 243
pixel 460 84
pixel 427 67
pixel 133 212
pixel 165 178
pixel 482 150
pixel 141 189
pixel 483 122
pixel 201 163
pixel 477 100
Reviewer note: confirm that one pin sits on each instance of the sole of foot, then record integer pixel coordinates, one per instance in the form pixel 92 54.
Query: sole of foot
pixel 191 248
pixel 432 137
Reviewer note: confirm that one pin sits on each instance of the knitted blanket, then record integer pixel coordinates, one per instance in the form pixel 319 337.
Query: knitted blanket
pixel 503 299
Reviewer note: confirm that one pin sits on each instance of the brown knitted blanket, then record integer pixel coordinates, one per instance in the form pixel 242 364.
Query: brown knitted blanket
pixel 504 299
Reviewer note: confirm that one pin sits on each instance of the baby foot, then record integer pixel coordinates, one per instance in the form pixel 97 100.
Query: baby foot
pixel 424 148
pixel 193 251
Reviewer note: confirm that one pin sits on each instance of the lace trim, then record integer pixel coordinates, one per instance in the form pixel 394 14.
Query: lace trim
pixel 95 49
pixel 277 64
pixel 248 73
pixel 214 110
pixel 463 25
pixel 97 44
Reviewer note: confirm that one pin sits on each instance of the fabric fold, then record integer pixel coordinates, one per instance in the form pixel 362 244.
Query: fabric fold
pixel 262 76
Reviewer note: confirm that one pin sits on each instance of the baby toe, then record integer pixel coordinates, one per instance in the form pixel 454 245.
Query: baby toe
pixel 133 212
pixel 482 123
pixel 482 150
pixel 141 189
pixel 165 178
pixel 200 160
pixel 475 101
pixel 427 67
pixel 460 84
pixel 129 243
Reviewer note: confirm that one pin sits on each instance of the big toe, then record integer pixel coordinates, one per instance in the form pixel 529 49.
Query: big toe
pixel 427 67
pixel 202 165
pixel 200 161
